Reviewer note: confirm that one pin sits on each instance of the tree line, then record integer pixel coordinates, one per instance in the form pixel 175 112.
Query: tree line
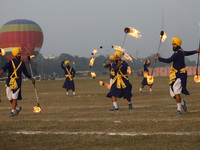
pixel 41 65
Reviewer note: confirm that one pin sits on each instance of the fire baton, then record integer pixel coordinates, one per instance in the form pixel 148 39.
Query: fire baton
pixel 29 59
pixel 150 78
pixel 161 36
pixel 196 77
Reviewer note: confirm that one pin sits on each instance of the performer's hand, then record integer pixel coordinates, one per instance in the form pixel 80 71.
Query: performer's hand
pixel 156 57
pixel 198 50
pixel 1 72
pixel 33 81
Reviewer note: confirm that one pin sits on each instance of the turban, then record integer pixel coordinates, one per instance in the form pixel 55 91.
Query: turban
pixel 67 62
pixel 118 53
pixel 177 41
pixel 16 50
pixel 147 61
pixel 112 57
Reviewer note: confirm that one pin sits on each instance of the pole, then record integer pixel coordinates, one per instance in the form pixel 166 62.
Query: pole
pixel 161 36
pixel 198 53
pixel 33 84
pixel 124 40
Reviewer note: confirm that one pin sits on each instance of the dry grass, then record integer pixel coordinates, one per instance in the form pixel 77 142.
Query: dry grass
pixel 85 122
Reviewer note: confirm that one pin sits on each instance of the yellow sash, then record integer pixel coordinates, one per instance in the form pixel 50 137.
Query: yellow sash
pixel 172 76
pixel 146 74
pixel 13 84
pixel 112 72
pixel 69 74
pixel 120 82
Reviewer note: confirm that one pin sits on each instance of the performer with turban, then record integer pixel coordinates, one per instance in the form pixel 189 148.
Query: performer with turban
pixel 145 74
pixel 178 73
pixel 109 65
pixel 15 68
pixel 121 86
pixel 69 75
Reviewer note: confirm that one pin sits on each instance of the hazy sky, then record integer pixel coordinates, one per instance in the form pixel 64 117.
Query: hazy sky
pixel 77 27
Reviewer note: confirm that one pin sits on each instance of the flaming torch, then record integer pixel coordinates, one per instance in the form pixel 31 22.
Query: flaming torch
pixel 163 36
pixel 37 108
pixel 94 52
pixel 150 79
pixel 93 74
pixel 133 32
pixel 2 52
pixel 118 48
pixel 91 62
pixel 128 57
pixel 129 69
pixel 106 84
pixel 196 77
pixel 32 56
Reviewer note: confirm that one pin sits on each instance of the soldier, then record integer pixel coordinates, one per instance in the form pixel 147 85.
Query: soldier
pixel 145 74
pixel 69 75
pixel 121 86
pixel 178 73
pixel 15 68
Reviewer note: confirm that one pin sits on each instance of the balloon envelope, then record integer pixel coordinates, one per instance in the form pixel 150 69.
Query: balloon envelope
pixel 21 33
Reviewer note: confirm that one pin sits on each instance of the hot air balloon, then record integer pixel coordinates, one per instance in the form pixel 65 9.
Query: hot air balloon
pixel 21 33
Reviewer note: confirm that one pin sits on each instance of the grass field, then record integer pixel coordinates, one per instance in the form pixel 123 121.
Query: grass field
pixel 85 122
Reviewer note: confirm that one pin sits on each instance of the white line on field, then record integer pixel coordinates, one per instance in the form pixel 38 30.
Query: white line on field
pixel 104 133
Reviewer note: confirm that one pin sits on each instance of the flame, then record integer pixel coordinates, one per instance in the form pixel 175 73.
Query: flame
pixel 106 84
pixel 2 52
pixel 101 83
pixel 32 56
pixel 94 51
pixel 128 57
pixel 36 109
pixel 93 74
pixel 133 32
pixel 150 79
pixel 91 62
pixel 129 69
pixel 197 78
pixel 163 38
pixel 118 48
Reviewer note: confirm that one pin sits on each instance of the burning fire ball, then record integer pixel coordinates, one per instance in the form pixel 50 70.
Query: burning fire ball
pixel 36 109
pixel 2 52
pixel 93 74
pixel 94 52
pixel 91 62
pixel 133 32
pixel 127 30
pixel 197 78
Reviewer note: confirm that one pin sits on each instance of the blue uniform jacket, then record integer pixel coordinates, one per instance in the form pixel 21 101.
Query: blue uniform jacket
pixel 8 66
pixel 123 92
pixel 68 84
pixel 110 67
pixel 178 59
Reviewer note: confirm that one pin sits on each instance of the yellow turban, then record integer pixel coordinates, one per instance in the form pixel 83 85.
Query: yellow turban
pixel 16 50
pixel 148 61
pixel 176 40
pixel 112 57
pixel 118 53
pixel 67 62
